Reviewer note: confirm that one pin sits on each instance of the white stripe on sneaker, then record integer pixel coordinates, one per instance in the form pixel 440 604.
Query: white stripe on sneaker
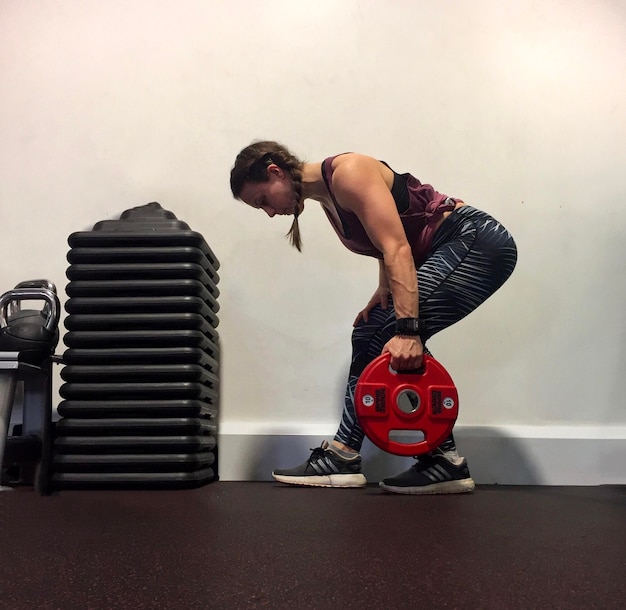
pixel 444 473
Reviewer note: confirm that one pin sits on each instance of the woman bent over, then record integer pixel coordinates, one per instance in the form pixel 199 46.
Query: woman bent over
pixel 439 259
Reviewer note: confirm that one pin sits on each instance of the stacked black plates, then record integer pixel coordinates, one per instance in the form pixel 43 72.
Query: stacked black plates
pixel 141 368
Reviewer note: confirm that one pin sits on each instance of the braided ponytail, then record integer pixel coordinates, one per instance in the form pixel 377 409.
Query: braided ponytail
pixel 293 235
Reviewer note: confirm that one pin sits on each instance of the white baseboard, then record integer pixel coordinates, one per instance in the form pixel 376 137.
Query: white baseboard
pixel 504 455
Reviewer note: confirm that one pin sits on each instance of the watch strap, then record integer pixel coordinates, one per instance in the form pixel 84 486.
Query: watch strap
pixel 409 326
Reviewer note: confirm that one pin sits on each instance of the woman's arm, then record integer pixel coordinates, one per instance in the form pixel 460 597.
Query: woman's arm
pixel 360 187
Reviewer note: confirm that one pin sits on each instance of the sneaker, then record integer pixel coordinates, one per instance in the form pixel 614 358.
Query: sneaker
pixel 432 474
pixel 325 468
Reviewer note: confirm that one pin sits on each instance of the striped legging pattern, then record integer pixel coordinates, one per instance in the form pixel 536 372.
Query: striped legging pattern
pixel 471 257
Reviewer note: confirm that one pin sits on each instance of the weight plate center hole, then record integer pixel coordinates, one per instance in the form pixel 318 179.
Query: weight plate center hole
pixel 408 401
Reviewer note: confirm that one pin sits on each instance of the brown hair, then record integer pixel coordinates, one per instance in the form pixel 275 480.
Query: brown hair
pixel 251 166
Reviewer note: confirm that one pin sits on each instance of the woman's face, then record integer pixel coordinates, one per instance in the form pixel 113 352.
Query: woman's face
pixel 275 196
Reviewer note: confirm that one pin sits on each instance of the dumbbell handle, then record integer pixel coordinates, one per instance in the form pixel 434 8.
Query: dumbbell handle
pixel 31 294
pixel 14 307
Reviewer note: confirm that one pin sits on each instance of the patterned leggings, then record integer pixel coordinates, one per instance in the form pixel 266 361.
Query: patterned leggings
pixel 471 257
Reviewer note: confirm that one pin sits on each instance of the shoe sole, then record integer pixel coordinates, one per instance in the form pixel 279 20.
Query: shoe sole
pixel 447 487
pixel 332 480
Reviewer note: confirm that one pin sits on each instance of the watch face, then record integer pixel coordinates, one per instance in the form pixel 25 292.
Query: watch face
pixel 408 325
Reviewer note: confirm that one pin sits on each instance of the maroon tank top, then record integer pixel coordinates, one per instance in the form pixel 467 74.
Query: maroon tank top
pixel 419 205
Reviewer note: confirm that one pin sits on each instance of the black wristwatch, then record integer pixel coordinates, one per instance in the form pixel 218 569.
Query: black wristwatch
pixel 409 326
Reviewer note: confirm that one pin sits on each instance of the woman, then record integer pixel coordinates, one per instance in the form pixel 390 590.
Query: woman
pixel 439 258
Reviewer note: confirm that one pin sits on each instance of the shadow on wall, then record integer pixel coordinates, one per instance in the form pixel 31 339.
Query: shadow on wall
pixel 496 458
pixel 493 457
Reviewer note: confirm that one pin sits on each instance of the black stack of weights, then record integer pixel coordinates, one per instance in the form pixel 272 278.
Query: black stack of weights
pixel 141 368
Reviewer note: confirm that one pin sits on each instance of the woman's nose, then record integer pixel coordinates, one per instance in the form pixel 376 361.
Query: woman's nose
pixel 269 211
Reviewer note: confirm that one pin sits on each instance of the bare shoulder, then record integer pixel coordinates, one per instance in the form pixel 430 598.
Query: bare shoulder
pixel 352 169
pixel 358 178
pixel 354 162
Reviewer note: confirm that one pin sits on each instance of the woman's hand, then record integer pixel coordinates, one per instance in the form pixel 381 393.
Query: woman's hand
pixel 406 352
pixel 380 297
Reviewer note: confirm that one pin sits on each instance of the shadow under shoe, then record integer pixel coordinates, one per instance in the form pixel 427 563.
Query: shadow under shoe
pixel 324 468
pixel 432 474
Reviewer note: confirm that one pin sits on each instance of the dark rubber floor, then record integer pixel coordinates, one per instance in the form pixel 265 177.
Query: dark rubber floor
pixel 263 545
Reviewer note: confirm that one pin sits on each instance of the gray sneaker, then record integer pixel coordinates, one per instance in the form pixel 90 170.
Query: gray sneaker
pixel 432 474
pixel 325 468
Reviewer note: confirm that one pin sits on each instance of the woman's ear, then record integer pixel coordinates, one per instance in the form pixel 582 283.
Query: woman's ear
pixel 276 170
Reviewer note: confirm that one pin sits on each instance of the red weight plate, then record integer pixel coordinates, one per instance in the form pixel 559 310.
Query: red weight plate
pixel 431 398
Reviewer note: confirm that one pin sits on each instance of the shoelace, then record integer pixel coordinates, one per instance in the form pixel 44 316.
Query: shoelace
pixel 423 461
pixel 316 454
